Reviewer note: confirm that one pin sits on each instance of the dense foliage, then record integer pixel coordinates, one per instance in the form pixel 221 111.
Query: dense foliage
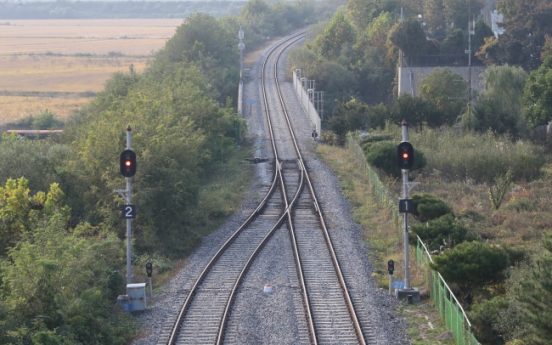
pixel 472 265
pixel 526 25
pixel 537 96
pixel 383 155
pixel 61 254
pixel 428 207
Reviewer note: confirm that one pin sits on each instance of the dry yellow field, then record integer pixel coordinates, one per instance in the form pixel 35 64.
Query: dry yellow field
pixel 14 108
pixel 127 36
pixel 71 56
pixel 61 73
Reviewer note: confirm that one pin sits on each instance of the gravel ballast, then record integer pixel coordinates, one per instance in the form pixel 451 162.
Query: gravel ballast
pixel 277 318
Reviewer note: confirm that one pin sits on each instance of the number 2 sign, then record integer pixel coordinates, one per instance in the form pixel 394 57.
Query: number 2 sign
pixel 129 211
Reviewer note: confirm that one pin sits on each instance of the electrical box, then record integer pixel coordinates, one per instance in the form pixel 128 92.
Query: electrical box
pixel 137 296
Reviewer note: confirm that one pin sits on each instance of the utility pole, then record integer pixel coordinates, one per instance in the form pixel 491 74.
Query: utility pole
pixel 471 31
pixel 241 45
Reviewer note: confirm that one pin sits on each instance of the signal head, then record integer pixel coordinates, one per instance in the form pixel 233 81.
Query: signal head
pixel 128 163
pixel 405 155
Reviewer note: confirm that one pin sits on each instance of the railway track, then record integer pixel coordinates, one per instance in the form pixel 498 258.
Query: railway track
pixel 290 203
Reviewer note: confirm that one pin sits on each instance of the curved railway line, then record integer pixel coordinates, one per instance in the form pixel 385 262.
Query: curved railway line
pixel 290 203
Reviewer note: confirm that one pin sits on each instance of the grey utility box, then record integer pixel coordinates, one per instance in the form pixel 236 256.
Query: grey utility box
pixel 137 296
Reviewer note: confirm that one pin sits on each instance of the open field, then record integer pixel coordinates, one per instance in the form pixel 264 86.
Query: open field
pixel 42 57
pixel 62 73
pixel 127 36
pixel 14 108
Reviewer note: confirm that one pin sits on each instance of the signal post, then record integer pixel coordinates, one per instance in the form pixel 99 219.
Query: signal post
pixel 405 160
pixel 128 170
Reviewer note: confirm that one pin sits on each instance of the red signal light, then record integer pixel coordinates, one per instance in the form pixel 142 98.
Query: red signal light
pixel 405 155
pixel 128 163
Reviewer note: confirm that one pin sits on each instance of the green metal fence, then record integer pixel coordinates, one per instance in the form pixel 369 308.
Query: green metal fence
pixel 378 188
pixel 445 301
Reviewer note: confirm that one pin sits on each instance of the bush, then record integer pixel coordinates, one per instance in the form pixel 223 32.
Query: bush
pixel 483 316
pixel 478 157
pixel 472 265
pixel 374 138
pixel 383 155
pixel 428 207
pixel 445 230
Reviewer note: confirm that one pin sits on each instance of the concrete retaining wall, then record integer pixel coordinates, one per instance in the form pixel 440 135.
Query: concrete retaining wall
pixel 313 115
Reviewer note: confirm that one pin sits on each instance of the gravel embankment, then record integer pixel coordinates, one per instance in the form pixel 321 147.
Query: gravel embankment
pixel 278 318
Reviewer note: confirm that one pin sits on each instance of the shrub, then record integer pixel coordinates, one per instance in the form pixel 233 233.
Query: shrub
pixel 374 138
pixel 472 265
pixel 428 207
pixel 483 316
pixel 383 155
pixel 480 157
pixel 445 230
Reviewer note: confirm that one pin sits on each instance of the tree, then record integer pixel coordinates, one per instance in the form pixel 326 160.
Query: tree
pixel 537 95
pixel 417 112
pixel 547 49
pixel 459 12
pixel 504 86
pixel 46 120
pixel 349 116
pixel 409 37
pixel 41 162
pixel 378 115
pixel 484 316
pixel 535 297
pixel 472 265
pixel 20 212
pixel 526 24
pixel 338 32
pixel 453 43
pixel 482 31
pixel 445 231
pixel 361 12
pixel 445 89
pixel 428 207
pixel 57 286
pixel 434 18
pixel 499 106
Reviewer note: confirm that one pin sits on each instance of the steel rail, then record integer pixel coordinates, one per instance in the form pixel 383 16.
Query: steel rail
pixel 301 277
pixel 277 178
pixel 226 313
pixel 350 305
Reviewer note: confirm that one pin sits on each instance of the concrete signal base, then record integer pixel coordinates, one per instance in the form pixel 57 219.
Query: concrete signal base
pixel 404 294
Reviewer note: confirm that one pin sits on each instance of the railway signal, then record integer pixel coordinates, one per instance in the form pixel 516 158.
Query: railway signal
pixel 390 266
pixel 149 271
pixel 128 169
pixel 128 163
pixel 405 155
pixel 390 269
pixel 405 160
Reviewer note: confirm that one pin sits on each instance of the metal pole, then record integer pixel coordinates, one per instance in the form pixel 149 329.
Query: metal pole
pixel 405 216
pixel 150 288
pixel 241 46
pixel 390 284
pixel 129 221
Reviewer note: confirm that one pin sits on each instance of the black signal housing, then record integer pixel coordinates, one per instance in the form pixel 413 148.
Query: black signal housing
pixel 128 163
pixel 405 155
